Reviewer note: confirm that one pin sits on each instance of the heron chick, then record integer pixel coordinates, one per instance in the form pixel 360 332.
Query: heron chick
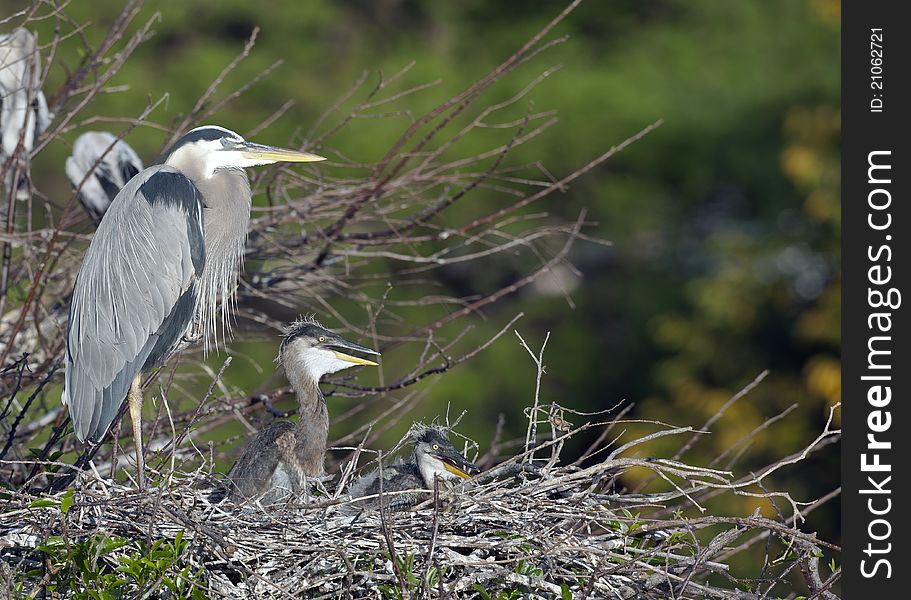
pixel 433 457
pixel 166 254
pixel 281 458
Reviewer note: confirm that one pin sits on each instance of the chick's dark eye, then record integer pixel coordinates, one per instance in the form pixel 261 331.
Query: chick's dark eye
pixel 322 339
pixel 436 446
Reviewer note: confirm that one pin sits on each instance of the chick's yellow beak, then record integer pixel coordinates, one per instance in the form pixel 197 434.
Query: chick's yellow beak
pixel 454 469
pixel 354 359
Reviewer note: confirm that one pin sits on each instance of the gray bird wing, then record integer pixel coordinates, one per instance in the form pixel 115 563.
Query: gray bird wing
pixel 252 474
pixel 135 294
pixel 396 477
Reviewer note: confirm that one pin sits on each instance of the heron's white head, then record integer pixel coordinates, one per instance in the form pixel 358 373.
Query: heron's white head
pixel 311 350
pixel 209 148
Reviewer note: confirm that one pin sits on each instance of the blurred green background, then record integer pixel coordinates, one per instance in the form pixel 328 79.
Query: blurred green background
pixel 725 220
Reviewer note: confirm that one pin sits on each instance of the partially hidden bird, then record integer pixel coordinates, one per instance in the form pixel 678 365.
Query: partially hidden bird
pixel 23 108
pixel 164 260
pixel 398 485
pixel 110 163
pixel 283 459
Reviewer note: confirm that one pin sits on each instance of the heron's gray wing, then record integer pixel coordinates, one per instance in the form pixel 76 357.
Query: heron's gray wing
pixel 252 475
pixel 135 294
pixel 397 477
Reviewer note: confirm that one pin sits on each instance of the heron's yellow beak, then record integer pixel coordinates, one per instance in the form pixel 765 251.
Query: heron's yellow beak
pixel 354 359
pixel 454 469
pixel 263 153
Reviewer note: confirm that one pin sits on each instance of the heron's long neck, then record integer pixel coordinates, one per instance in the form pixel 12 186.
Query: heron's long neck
pixel 226 218
pixel 313 424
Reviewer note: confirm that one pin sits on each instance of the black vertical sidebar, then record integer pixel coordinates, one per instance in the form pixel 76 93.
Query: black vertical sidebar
pixel 876 220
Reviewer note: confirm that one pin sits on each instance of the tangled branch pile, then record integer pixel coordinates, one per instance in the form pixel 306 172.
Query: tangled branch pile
pixel 556 532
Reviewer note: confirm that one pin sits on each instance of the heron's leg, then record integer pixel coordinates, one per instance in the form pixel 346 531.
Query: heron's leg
pixel 134 397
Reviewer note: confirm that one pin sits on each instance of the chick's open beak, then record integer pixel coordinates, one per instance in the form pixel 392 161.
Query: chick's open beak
pixel 465 471
pixel 340 344
pixel 354 359
pixel 271 153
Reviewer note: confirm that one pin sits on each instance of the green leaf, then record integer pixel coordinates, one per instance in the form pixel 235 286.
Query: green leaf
pixel 67 501
pixel 565 593
pixel 485 595
pixel 42 503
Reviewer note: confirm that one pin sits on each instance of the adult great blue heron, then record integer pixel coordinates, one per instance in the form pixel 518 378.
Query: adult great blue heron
pixel 280 458
pixel 433 457
pixel 118 165
pixel 167 251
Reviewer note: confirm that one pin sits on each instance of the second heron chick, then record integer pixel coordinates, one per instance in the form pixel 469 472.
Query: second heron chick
pixel 280 458
pixel 433 457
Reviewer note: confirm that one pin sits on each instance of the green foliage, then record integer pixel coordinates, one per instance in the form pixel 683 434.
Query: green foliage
pixel 104 567
pixel 415 580
pixel 487 594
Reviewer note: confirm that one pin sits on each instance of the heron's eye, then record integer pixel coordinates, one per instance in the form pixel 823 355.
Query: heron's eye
pixel 436 446
pixel 322 339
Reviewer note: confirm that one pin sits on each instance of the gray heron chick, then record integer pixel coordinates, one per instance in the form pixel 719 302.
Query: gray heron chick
pixel 280 458
pixel 23 108
pixel 433 457
pixel 167 251
pixel 118 164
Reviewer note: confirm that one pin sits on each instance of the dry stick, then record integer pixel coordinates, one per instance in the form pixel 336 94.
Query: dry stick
pixel 514 287
pixel 94 59
pixel 708 424
pixel 176 441
pixel 718 414
pixel 118 61
pixel 764 534
pixel 241 90
pixel 387 534
pixel 560 185
pixel 455 101
pixel 749 522
pixel 433 210
pixel 531 434
pixel 200 103
pixel 765 425
pixel 473 89
pixel 25 407
pixel 827 436
pixel 444 122
pixel 435 528
pixel 381 84
pixel 593 447
pixel 435 370
pixel 335 106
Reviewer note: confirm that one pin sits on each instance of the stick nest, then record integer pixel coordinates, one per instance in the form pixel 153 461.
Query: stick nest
pixel 554 533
